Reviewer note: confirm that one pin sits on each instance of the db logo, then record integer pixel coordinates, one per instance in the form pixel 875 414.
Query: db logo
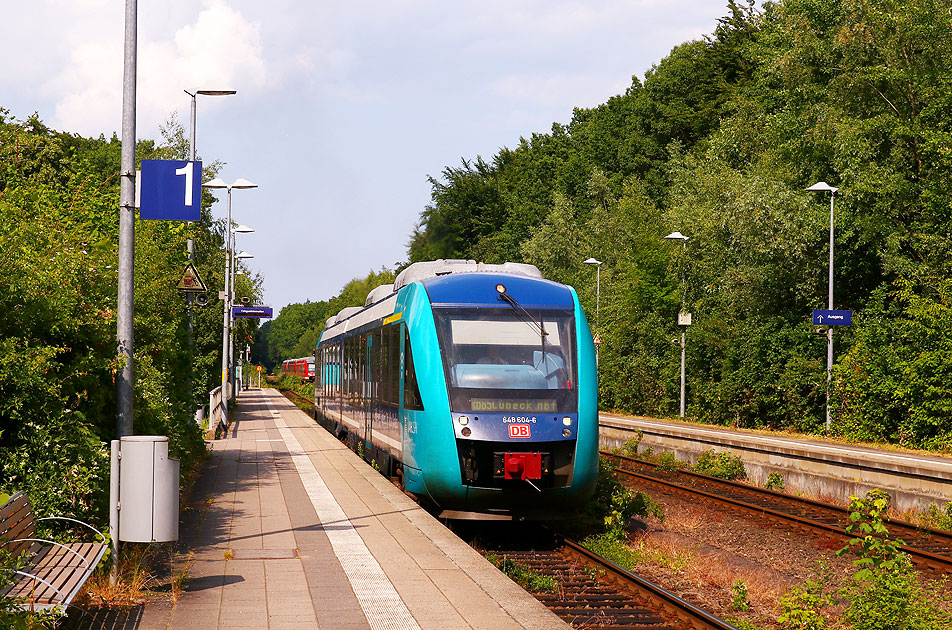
pixel 518 430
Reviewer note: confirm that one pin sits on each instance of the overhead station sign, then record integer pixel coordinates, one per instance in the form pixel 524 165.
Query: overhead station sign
pixel 170 190
pixel 833 318
pixel 251 311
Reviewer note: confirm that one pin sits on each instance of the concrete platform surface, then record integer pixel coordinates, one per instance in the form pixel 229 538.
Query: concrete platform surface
pixel 814 467
pixel 290 529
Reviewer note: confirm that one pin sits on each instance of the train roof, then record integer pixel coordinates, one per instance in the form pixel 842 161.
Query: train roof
pixel 444 266
pixel 381 301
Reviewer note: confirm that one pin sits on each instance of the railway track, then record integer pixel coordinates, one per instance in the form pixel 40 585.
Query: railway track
pixel 592 592
pixel 929 548
pixel 301 401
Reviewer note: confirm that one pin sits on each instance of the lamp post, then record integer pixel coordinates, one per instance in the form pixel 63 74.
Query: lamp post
pixel 242 255
pixel 191 157
pixel 824 187
pixel 598 290
pixel 190 242
pixel 191 140
pixel 226 324
pixel 684 319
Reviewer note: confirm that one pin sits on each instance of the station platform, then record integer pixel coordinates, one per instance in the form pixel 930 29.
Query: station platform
pixel 290 529
pixel 812 466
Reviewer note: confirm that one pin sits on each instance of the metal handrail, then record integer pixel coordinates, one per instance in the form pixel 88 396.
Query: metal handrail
pixel 73 520
pixel 39 579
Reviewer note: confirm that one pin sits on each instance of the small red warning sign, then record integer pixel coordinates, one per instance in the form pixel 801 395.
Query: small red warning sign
pixel 191 282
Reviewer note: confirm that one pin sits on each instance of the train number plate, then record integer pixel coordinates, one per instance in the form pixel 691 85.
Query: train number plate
pixel 518 430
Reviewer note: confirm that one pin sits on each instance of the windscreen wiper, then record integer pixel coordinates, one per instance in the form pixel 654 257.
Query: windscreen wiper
pixel 523 313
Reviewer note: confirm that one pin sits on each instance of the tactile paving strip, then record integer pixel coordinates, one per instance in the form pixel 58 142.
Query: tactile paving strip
pixel 376 595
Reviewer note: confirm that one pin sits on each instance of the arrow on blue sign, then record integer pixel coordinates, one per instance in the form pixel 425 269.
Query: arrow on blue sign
pixel 833 318
pixel 170 190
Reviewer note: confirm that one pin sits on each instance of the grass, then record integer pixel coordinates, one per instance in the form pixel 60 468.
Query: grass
pixel 132 582
pixel 523 575
pixel 180 578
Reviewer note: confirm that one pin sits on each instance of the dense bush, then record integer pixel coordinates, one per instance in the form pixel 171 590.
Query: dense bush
pixel 718 141
pixel 58 359
pixel 722 465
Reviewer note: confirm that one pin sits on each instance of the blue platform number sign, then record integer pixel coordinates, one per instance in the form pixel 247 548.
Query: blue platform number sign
pixel 171 190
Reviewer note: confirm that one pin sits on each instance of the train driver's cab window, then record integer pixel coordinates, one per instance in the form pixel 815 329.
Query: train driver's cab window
pixel 500 350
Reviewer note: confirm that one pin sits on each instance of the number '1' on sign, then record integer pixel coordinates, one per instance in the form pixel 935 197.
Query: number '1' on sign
pixel 170 190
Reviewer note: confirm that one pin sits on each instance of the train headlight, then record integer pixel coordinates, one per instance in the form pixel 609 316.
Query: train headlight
pixel 566 432
pixel 567 421
pixel 466 431
pixel 500 289
pixel 464 420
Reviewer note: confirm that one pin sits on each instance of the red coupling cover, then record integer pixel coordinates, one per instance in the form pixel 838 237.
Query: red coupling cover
pixel 522 466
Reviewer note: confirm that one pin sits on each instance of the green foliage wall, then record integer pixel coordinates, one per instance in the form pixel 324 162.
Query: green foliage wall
pixel 58 360
pixel 718 141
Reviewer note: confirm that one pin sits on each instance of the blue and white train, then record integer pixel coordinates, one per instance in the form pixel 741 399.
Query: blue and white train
pixel 473 383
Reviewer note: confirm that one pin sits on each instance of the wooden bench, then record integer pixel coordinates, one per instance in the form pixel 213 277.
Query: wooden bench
pixel 54 572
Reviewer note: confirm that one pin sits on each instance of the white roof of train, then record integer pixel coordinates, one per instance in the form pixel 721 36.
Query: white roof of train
pixel 381 301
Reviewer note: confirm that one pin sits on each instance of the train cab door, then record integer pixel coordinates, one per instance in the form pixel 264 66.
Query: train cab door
pixel 370 369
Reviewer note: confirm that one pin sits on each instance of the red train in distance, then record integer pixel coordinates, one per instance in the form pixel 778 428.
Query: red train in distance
pixel 303 368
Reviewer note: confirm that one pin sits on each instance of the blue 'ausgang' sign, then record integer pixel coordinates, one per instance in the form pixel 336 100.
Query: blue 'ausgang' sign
pixel 833 318
pixel 170 190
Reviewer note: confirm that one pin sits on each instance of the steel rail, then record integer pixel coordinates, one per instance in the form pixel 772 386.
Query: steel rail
pixel 694 617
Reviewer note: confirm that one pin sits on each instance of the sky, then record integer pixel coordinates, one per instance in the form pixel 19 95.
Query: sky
pixel 343 109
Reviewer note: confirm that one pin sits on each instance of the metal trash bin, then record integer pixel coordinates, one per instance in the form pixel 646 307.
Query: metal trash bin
pixel 148 490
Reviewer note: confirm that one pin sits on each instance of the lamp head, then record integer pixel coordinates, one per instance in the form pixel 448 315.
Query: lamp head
pixel 822 187
pixel 215 183
pixel 676 236
pixel 243 254
pixel 242 183
pixel 243 229
pixel 216 92
pixel 592 261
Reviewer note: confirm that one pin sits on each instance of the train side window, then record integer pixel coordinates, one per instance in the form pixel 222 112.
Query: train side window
pixel 384 366
pixel 393 347
pixel 411 391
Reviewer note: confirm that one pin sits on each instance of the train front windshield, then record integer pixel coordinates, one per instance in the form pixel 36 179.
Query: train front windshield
pixel 508 361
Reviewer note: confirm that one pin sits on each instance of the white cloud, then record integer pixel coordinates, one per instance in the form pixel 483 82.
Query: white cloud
pixel 220 49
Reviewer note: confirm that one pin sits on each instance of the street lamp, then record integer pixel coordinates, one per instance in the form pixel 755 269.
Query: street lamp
pixel 191 127
pixel 226 325
pixel 824 187
pixel 191 153
pixel 684 319
pixel 598 290
pixel 242 255
pixel 240 229
pixel 190 242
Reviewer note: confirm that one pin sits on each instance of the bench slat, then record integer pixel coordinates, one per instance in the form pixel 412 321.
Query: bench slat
pixel 14 504
pixel 51 563
pixel 16 521
pixel 58 567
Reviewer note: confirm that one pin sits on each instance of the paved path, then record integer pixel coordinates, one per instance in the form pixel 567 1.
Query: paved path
pixel 290 529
